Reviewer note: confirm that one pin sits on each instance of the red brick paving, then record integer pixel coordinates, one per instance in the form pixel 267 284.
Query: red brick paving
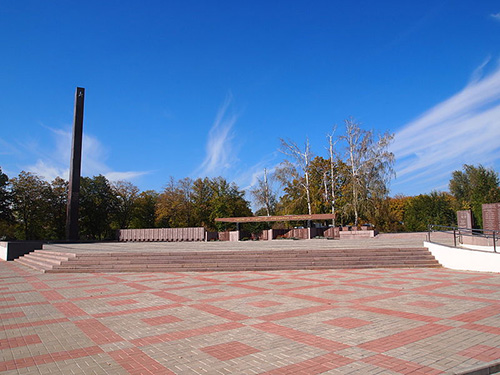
pixel 98 332
pixel 12 315
pixel 211 291
pixel 32 324
pixel 426 304
pixel 223 313
pixel 406 337
pixel 312 366
pixel 137 362
pixel 300 336
pixel 478 314
pixel 264 304
pixel 229 350
pixel 480 291
pixel 397 313
pixel 347 322
pixel 400 321
pixel 400 366
pixel 15 342
pixel 69 309
pixel 136 311
pixel 482 352
pixel 122 302
pixel 482 328
pixel 48 358
pixel 156 321
pixel 179 335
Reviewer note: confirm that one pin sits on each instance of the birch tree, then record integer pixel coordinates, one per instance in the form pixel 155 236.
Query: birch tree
pixel 298 166
pixel 370 165
pixel 333 177
pixel 263 193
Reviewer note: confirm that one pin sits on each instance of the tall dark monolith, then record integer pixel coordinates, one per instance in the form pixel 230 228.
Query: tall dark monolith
pixel 75 169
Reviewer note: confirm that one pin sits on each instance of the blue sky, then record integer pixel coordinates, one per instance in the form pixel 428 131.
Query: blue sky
pixel 207 88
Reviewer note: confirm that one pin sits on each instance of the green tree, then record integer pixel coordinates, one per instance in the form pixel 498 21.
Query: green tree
pixel 6 217
pixel 144 215
pixel 58 206
pixel 323 177
pixel 473 187
pixel 201 198
pixel 126 195
pixel 31 206
pixel 293 199
pixel 388 215
pixel 434 208
pixel 174 205
pixel 97 207
pixel 186 203
pixel 227 201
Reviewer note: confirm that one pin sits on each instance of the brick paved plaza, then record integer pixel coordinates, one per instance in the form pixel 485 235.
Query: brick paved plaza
pixel 382 321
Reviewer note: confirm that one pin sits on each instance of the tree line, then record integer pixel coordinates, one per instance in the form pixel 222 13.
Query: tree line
pixel 31 208
pixel 350 180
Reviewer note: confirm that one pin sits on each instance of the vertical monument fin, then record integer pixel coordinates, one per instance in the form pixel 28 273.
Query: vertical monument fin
pixel 72 230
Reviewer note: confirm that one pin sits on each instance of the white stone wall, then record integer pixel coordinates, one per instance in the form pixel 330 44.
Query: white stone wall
pixel 3 250
pixel 465 259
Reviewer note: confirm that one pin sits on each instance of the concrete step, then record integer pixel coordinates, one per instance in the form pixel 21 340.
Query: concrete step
pixel 42 261
pixel 242 253
pixel 54 261
pixel 53 254
pixel 247 265
pixel 316 260
pixel 34 263
pixel 159 268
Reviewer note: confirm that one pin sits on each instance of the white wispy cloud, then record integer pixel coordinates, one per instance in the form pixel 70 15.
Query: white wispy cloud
pixel 220 153
pixel 248 178
pixel 54 163
pixel 464 129
pixel 496 16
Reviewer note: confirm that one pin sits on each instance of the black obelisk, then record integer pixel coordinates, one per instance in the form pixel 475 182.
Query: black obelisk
pixel 75 169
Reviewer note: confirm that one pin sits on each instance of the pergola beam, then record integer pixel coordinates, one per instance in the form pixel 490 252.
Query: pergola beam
pixel 260 219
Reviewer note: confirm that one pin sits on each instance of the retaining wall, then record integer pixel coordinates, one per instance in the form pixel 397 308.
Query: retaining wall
pixel 465 259
pixel 10 250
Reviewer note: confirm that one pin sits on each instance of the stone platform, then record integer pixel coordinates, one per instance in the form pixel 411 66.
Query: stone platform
pixel 389 251
pixel 372 321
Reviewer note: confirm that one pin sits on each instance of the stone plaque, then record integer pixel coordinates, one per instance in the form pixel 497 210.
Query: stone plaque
pixel 464 219
pixel 491 216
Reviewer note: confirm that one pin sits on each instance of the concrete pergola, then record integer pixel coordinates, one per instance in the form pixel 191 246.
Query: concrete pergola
pixel 261 219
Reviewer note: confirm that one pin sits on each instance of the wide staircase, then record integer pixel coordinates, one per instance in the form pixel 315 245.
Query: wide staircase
pixel 183 261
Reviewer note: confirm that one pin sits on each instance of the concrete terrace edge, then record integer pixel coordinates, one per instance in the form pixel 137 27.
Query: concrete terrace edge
pixel 465 259
pixel 491 368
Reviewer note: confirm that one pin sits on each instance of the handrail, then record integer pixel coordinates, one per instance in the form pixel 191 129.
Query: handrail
pixel 458 232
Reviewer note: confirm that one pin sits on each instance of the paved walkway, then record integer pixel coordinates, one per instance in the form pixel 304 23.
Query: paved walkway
pixel 418 321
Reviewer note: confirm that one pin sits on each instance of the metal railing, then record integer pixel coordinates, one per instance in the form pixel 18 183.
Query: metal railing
pixel 459 233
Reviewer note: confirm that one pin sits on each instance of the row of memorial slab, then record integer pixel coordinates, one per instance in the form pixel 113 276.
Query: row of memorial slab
pixel 201 234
